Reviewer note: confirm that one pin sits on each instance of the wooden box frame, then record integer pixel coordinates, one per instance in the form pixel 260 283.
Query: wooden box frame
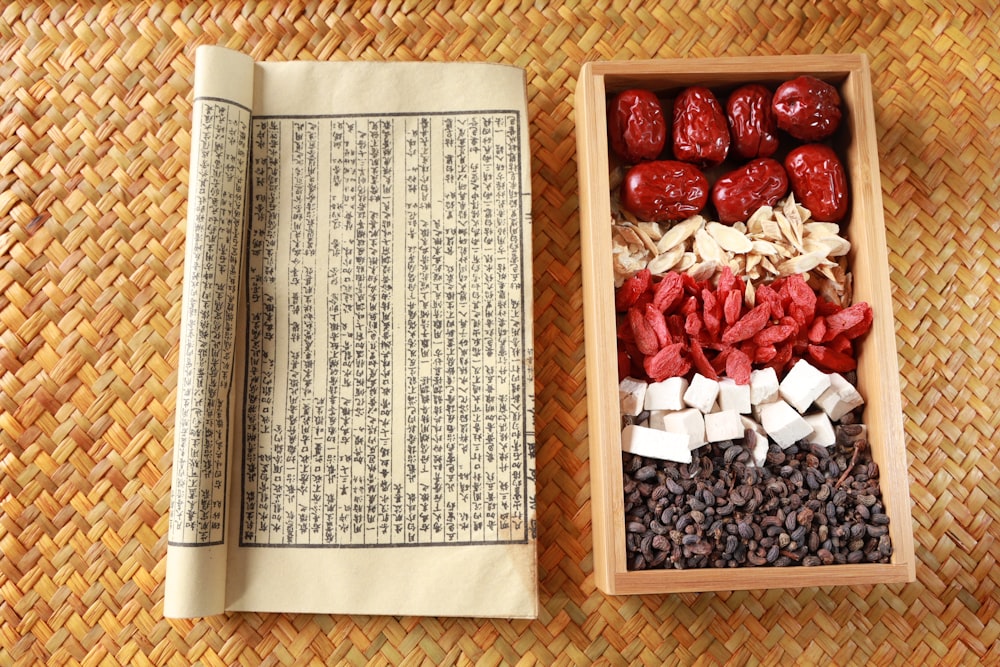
pixel 878 370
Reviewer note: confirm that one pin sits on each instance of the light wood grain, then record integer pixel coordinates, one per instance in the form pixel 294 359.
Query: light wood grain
pixel 877 370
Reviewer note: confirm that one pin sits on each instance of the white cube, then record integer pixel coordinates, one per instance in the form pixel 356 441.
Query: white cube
pixel 783 423
pixel 734 396
pixel 631 396
pixel 822 430
pixel 763 386
pixel 840 398
pixel 688 422
pixel 655 444
pixel 802 385
pixel 666 395
pixel 723 425
pixel 701 393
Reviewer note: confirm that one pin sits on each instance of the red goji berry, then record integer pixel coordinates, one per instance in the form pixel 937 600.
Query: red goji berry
pixel 842 344
pixel 668 292
pixel 646 338
pixel 767 294
pixel 711 312
pixel 831 360
pixel 853 321
pixel 624 365
pixel 774 333
pixel 748 325
pixel 700 361
pixel 630 290
pixel 738 366
pixel 733 306
pixel 668 362
pixel 817 330
pixel 764 354
pixel 658 324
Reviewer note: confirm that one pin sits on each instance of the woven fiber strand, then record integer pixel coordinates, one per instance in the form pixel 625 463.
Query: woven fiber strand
pixel 95 107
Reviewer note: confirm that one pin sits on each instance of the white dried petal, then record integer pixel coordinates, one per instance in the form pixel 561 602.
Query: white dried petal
pixel 646 241
pixel 791 211
pixel 761 247
pixel 666 260
pixel 836 246
pixel 729 239
pixel 629 236
pixel 650 229
pixel 680 232
pixel 800 264
pixel 706 247
pixel 755 225
pixel 770 230
pixel 740 226
pixel 703 270
pixel 749 294
pixel 789 230
pixel 821 229
pixel 688 260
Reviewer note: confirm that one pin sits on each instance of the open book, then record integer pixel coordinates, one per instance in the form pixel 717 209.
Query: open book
pixel 355 397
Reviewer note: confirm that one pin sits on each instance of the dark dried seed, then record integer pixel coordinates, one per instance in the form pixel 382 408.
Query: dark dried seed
pixel 877 531
pixel 880 519
pixel 885 546
pixel 645 473
pixel 811 561
pixel 635 527
pixel 658 528
pixel 688 540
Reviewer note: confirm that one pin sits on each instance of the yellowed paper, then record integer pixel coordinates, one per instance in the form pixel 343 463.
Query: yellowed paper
pixel 387 461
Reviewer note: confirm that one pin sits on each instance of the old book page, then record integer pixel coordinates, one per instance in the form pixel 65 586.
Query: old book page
pixel 382 457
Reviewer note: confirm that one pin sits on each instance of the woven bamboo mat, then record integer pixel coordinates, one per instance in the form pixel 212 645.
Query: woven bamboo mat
pixel 94 135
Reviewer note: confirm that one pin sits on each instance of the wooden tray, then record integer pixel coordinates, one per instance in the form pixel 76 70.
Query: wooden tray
pixel 878 371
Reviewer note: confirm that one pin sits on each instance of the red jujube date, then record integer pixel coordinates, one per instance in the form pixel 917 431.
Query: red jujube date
pixel 751 122
pixel 740 192
pixel 807 108
pixel 664 190
pixel 818 180
pixel 700 131
pixel 637 128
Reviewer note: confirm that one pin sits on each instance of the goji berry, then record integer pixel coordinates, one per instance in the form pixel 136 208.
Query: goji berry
pixel 764 354
pixel 841 343
pixel 701 362
pixel 853 321
pixel 767 294
pixel 817 330
pixel 774 333
pixel 668 292
pixel 646 339
pixel 711 312
pixel 831 360
pixel 658 324
pixel 632 289
pixel 693 326
pixel 738 366
pixel 624 365
pixel 733 306
pixel 668 362
pixel 748 325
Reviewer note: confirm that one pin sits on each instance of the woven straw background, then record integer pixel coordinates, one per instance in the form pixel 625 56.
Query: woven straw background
pixel 95 109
